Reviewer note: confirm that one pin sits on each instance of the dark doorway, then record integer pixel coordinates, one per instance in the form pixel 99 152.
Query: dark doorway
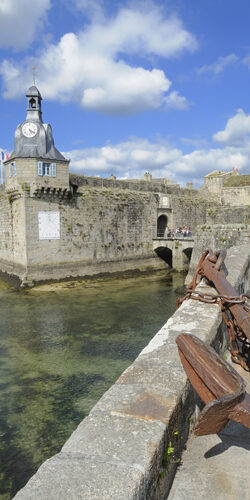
pixel 162 223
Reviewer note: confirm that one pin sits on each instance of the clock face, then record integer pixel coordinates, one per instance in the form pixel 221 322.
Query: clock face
pixel 29 129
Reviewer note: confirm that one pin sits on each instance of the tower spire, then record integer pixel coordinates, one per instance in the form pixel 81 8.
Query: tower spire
pixel 34 74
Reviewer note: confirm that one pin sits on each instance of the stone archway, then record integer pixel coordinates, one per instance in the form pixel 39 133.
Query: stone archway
pixel 162 223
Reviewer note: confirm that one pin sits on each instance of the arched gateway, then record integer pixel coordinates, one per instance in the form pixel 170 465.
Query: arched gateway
pixel 162 223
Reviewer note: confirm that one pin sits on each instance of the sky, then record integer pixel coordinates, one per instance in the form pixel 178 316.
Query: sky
pixel 129 87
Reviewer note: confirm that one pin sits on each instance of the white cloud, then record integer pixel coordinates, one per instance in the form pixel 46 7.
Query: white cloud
pixel 131 159
pixel 20 21
pixel 236 132
pixel 128 159
pixel 176 101
pixel 219 65
pixel 200 162
pixel 91 67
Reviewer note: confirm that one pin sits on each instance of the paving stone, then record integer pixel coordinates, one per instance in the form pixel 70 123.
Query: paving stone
pixel 217 465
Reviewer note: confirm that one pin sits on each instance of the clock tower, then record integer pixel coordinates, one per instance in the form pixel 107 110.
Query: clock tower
pixel 35 161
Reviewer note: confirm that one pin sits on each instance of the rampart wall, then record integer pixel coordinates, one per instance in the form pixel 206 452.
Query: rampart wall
pixel 105 226
pixel 188 207
pixel 228 215
pixel 133 185
pixel 130 444
pixel 236 195
pixel 5 225
pixel 99 227
pixel 12 235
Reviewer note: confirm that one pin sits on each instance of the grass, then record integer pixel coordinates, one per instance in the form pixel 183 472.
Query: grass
pixel 238 181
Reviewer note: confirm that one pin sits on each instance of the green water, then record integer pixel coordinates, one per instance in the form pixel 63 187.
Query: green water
pixel 60 350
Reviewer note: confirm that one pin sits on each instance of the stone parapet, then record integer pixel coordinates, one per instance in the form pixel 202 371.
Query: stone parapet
pixel 128 447
pixel 216 236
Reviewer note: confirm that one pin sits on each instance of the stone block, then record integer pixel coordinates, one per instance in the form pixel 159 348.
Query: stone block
pixel 120 439
pixel 139 401
pixel 74 477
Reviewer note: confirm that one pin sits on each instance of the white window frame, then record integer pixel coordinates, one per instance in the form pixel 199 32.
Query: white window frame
pixel 46 169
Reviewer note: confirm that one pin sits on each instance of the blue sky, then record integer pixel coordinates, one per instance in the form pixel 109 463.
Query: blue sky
pixel 128 87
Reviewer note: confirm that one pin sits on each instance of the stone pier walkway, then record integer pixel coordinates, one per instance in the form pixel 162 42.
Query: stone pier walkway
pixel 217 466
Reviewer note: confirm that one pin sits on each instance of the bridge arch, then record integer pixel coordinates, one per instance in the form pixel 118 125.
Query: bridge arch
pixel 162 223
pixel 165 254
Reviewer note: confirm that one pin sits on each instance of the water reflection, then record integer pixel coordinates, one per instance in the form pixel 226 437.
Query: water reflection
pixel 60 350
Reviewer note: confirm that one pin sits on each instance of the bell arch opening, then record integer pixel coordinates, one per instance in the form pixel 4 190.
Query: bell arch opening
pixel 32 103
pixel 162 223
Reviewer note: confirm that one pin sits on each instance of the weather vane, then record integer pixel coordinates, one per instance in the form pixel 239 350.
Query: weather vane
pixel 34 74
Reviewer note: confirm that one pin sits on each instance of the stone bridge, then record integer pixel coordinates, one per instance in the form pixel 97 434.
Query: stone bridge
pixel 176 252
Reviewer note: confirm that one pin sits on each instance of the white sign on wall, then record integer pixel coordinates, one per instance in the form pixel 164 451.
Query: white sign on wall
pixel 165 202
pixel 49 225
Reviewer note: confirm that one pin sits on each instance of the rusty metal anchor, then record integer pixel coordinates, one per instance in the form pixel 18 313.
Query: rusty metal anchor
pixel 238 318
pixel 219 386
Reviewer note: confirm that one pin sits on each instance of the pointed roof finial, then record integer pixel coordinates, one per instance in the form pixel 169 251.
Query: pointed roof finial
pixel 34 74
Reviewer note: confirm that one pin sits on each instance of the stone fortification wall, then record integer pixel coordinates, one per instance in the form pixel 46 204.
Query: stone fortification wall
pixel 225 227
pixel 236 196
pixel 105 227
pixel 130 444
pixel 134 185
pixel 190 209
pixel 102 230
pixel 188 206
pixel 228 215
pixel 229 187
pixel 215 180
pixel 13 257
pixel 5 225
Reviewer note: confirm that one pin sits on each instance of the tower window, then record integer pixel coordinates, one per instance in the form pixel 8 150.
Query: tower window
pixel 46 169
